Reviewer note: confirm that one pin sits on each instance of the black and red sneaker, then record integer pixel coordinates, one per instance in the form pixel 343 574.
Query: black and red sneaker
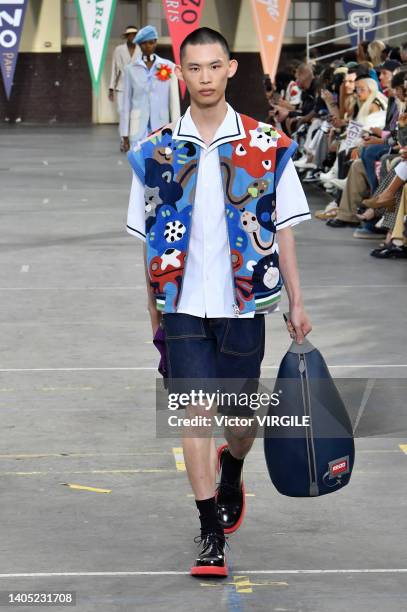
pixel 230 498
pixel 211 560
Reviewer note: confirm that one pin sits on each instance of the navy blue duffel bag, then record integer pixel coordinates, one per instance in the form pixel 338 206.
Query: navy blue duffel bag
pixel 314 460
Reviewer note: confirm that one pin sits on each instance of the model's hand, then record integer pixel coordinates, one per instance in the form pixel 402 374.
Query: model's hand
pixel 298 324
pixel 126 143
pixel 111 95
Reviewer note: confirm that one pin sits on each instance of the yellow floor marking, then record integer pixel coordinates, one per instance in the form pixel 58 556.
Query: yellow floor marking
pixel 83 488
pixel 179 459
pixel 243 584
pixel 403 447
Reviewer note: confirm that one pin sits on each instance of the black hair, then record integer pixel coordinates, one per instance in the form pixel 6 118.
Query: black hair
pixel 204 36
pixel 349 56
pixel 337 81
pixel 365 75
pixel 395 54
pixel 399 79
pixel 282 80
pixel 361 72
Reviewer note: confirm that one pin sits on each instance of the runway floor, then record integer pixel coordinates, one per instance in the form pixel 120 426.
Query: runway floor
pixel 77 380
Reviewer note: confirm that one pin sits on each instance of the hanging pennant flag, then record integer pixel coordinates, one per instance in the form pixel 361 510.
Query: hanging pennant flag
pixel 183 16
pixel 12 14
pixel 361 16
pixel 270 18
pixel 95 18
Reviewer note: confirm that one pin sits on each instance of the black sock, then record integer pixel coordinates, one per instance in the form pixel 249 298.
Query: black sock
pixel 231 468
pixel 208 517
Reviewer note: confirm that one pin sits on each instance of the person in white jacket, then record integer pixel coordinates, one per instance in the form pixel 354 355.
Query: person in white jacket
pixel 122 55
pixel 151 92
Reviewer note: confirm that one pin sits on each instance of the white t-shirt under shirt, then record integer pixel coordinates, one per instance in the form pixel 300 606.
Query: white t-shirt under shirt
pixel 207 289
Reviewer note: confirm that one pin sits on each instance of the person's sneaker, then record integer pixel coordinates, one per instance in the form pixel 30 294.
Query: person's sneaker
pixel 304 163
pixel 328 176
pixel 230 498
pixel 211 560
pixel 311 176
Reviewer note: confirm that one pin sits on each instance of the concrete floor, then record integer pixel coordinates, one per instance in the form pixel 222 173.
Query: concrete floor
pixel 77 383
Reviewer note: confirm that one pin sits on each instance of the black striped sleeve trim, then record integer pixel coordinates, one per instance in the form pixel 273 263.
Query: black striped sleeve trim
pixel 293 217
pixel 134 230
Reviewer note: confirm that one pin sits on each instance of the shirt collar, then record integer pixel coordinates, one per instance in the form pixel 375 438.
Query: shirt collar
pixel 229 130
pixel 138 61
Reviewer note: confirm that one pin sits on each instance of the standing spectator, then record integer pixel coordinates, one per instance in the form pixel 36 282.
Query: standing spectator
pixel 151 94
pixel 122 55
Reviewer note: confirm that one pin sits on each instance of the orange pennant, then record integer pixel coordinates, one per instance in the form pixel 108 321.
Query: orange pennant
pixel 270 18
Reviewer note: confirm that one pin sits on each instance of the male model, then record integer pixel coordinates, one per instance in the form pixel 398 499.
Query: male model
pixel 122 55
pixel 151 93
pixel 214 196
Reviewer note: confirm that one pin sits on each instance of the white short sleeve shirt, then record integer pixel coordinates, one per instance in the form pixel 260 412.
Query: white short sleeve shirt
pixel 207 289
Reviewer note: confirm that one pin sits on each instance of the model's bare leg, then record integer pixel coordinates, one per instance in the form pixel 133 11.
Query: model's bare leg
pixel 240 440
pixel 200 455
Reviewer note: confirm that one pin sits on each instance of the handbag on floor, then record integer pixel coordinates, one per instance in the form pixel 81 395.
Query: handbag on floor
pixel 318 459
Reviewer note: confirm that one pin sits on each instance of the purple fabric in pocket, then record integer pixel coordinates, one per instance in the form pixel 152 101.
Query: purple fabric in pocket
pixel 159 343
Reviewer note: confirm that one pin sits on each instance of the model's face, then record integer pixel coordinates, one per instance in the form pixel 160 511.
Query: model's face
pixel 385 78
pixel 206 70
pixel 349 83
pixel 399 92
pixel 148 47
pixel 362 91
pixel 130 38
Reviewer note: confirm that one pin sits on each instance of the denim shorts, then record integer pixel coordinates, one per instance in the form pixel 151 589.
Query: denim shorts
pixel 215 349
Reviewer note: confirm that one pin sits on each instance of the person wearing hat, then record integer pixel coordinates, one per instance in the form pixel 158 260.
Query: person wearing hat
pixel 151 93
pixel 122 55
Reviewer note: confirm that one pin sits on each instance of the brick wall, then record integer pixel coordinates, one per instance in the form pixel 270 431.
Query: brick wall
pixel 50 87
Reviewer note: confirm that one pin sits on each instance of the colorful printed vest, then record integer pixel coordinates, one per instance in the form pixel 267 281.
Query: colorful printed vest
pixel 251 168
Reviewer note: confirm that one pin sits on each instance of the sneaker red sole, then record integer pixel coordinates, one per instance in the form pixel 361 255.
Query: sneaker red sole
pixel 207 570
pixel 240 521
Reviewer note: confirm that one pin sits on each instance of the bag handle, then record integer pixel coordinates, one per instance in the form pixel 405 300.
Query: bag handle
pixel 305 347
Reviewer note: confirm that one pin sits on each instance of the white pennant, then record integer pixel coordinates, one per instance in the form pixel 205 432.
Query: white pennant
pixel 95 17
